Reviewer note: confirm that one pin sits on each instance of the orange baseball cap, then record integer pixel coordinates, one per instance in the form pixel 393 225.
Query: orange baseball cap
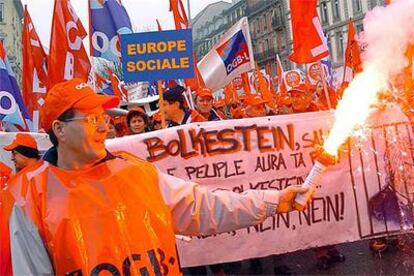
pixel 21 139
pixel 254 100
pixel 204 92
pixel 74 93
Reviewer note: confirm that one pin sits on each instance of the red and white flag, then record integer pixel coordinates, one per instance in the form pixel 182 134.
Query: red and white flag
pixel 34 81
pixel 67 57
pixel 309 42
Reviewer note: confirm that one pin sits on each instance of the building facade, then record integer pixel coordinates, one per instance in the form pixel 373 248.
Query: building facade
pixel 11 26
pixel 270 27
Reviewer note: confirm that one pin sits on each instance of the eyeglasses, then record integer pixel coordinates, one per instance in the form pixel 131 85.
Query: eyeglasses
pixel 91 119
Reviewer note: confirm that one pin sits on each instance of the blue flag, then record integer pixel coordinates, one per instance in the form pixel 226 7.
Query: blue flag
pixel 12 108
pixel 108 20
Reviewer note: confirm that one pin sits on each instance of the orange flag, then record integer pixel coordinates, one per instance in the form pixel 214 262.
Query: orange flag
pixel 246 84
pixel 229 93
pixel 353 62
pixel 67 57
pixel 34 69
pixel 309 42
pixel 263 87
pixel 180 17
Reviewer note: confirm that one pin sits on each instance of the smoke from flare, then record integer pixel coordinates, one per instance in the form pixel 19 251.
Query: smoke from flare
pixel 387 33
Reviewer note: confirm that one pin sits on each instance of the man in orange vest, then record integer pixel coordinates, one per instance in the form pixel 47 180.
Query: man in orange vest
pixel 84 210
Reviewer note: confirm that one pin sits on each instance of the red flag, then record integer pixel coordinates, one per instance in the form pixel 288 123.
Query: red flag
pixel 197 81
pixel 353 63
pixel 34 69
pixel 309 43
pixel 246 84
pixel 180 17
pixel 117 87
pixel 67 57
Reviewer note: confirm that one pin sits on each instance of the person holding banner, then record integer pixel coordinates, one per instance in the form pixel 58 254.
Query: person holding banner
pixel 23 150
pixel 204 105
pixel 85 210
pixel 174 109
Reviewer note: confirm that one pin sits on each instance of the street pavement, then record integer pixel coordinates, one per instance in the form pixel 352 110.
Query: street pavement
pixel 360 260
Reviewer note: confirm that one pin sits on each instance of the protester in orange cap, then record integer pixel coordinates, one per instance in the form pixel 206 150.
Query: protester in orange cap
pixel 89 211
pixel 204 105
pixel 302 100
pixel 23 150
pixel 255 106
pixel 137 120
pixel 284 103
pixel 175 112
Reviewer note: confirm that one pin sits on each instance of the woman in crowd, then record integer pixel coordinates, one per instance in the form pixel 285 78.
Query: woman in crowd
pixel 137 121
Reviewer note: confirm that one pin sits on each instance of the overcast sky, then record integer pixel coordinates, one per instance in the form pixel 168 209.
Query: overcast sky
pixel 142 13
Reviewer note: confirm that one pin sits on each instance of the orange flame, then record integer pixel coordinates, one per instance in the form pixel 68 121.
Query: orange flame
pixel 355 106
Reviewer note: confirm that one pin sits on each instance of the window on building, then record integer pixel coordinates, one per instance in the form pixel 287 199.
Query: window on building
pixel 328 39
pixel 357 6
pixel 264 22
pixel 1 12
pixel 324 12
pixel 340 45
pixel 335 9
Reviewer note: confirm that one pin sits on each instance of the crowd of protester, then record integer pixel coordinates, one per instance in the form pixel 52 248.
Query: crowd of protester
pixel 303 98
pixel 176 111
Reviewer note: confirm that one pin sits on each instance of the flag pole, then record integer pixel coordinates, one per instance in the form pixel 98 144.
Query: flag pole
pixel 161 103
pixel 325 86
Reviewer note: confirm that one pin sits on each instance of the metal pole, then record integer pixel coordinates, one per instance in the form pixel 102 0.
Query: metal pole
pixel 189 11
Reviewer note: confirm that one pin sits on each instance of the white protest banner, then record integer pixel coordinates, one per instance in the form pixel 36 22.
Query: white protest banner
pixel 273 153
pixel 229 57
pixel 365 195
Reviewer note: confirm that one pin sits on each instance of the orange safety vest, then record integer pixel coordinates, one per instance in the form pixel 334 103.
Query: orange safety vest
pixel 107 219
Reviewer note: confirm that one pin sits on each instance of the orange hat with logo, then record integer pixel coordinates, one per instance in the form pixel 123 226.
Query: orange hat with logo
pixel 204 92
pixel 21 140
pixel 254 100
pixel 74 93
